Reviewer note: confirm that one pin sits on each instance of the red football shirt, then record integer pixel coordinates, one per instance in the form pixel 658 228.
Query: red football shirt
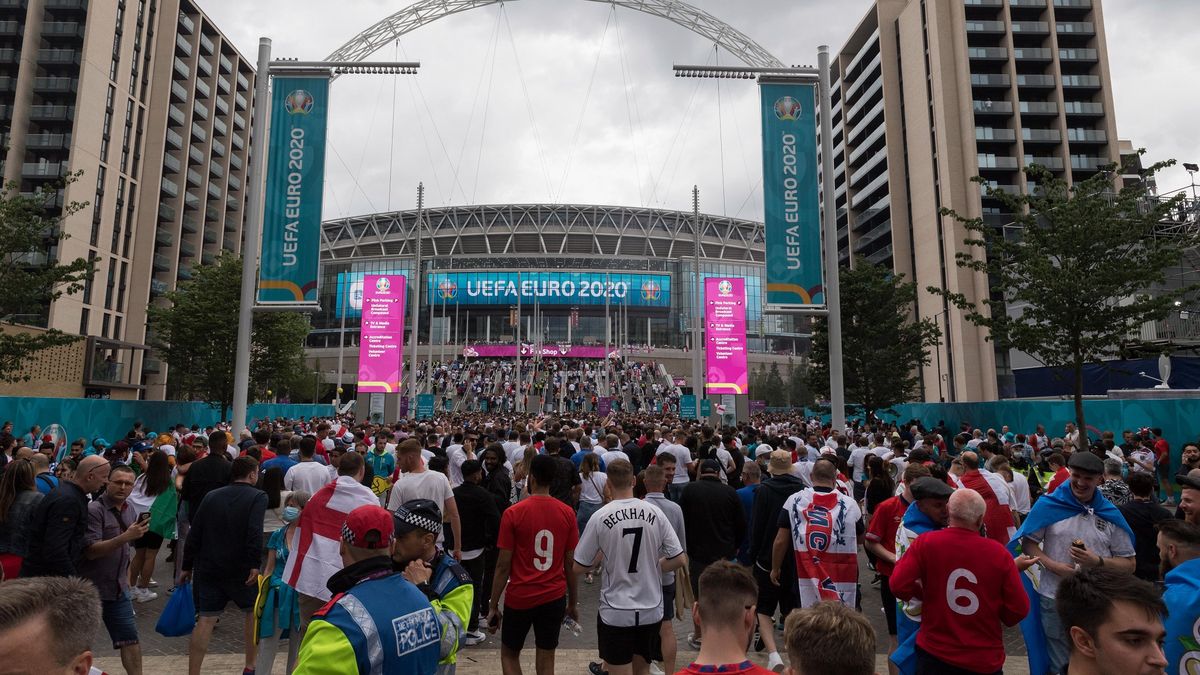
pixel 885 522
pixel 541 532
pixel 1161 449
pixel 970 590
pixel 1060 477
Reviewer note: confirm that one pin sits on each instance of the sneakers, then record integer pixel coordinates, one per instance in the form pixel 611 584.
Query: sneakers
pixel 472 638
pixel 655 669
pixel 142 594
pixel 596 669
pixel 759 645
pixel 693 641
pixel 152 584
pixel 775 662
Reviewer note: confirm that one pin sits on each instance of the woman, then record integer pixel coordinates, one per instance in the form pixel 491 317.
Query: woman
pixel 18 497
pixel 594 493
pixel 880 485
pixel 153 493
pixel 272 484
pixel 64 469
pixel 280 618
pixel 520 473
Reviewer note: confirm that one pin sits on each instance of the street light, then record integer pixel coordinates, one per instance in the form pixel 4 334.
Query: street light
pixel 1192 169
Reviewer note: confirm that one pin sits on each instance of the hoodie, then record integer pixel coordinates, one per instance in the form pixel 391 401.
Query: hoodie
pixel 768 502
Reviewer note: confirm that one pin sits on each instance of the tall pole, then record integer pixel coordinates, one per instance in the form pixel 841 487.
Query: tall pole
pixel 415 309
pixel 343 301
pixel 697 305
pixel 250 237
pixel 833 300
pixel 517 398
pixel 607 337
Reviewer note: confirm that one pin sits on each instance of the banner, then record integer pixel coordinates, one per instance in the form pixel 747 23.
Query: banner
pixel 604 406
pixel 687 407
pixel 554 351
pixel 380 351
pixel 725 336
pixel 291 237
pixel 791 207
pixel 549 288
pixel 424 406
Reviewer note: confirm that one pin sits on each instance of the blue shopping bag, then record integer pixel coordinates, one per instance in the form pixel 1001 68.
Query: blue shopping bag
pixel 179 616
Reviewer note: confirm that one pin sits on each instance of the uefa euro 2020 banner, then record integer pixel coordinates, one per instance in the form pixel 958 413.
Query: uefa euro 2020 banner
pixel 291 239
pixel 725 336
pixel 791 210
pixel 382 342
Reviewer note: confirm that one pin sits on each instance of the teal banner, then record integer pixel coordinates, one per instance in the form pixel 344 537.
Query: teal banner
pixel 291 237
pixel 791 208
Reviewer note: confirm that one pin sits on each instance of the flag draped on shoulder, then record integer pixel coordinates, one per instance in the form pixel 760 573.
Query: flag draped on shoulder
pixel 908 613
pixel 825 544
pixel 316 543
pixel 1049 509
pixel 998 518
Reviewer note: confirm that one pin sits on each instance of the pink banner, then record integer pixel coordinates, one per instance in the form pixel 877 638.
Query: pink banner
pixel 381 350
pixel 554 351
pixel 725 347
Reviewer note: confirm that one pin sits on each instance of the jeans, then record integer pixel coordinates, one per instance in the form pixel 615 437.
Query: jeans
pixel 676 490
pixel 118 619
pixel 1057 645
pixel 475 567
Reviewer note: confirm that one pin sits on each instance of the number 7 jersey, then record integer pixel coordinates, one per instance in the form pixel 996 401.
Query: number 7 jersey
pixel 633 535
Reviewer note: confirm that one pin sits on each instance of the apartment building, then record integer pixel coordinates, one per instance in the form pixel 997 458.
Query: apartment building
pixel 930 93
pixel 152 104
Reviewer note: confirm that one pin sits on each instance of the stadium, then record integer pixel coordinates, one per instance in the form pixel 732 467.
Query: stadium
pixel 557 270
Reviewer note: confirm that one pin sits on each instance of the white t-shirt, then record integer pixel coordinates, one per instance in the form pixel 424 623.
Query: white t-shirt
pixel 1141 455
pixel 431 485
pixel 592 488
pixel 858 462
pixel 515 454
pixel 1019 489
pixel 803 471
pixel 682 456
pixel 633 534
pixel 307 476
pixel 610 455
pixel 457 456
pixel 1099 535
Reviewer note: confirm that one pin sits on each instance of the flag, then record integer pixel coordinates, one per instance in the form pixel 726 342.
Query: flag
pixel 1049 509
pixel 908 614
pixel 998 519
pixel 825 545
pixel 316 544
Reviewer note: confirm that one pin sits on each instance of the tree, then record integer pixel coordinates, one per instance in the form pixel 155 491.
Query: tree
pixel 197 337
pixel 798 393
pixel 1077 272
pixel 883 348
pixel 30 278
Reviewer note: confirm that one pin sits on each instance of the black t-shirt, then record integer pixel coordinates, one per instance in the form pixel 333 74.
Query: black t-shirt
pixel 565 477
pixel 1143 518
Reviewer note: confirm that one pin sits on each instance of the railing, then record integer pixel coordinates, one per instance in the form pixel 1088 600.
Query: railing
pixel 993 134
pixel 992 107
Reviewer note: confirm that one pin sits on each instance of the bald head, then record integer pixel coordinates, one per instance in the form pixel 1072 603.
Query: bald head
pixel 91 474
pixel 89 463
pixel 970 460
pixel 966 509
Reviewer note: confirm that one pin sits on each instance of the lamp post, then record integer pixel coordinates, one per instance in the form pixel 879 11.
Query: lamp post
pixel 1192 169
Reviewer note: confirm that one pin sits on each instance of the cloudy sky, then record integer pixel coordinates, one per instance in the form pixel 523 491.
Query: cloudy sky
pixel 573 101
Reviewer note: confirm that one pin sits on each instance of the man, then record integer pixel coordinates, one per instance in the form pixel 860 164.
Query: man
pixel 458 452
pixel 537 539
pixel 612 445
pixel 929 511
pixel 818 523
pixel 1144 514
pixel 768 505
pixel 111 528
pixel 725 611
pixel 1077 512
pixel 206 474
pixel 1112 622
pixel 999 523
pixel 829 637
pixel 683 463
pixel 1189 496
pixel 315 546
pixel 43 480
pixel 567 484
pixel 59 524
pixel 970 590
pixel 1179 549
pixel 713 516
pixel 47 626
pixel 376 619
pixel 481 524
pixel 1058 470
pixel 858 466
pixel 655 480
pixel 308 475
pixel 382 456
pixel 417 482
pixel 751 475
pixel 445 583
pixel 1114 488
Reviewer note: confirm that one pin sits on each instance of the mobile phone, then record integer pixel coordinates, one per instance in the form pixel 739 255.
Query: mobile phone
pixel 144 517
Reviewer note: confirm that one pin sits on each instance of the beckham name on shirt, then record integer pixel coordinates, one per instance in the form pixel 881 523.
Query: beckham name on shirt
pixel 631 513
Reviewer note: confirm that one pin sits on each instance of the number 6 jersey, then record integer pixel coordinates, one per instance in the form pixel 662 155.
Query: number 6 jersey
pixel 632 534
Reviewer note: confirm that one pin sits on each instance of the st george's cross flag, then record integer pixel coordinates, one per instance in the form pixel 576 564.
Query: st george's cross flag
pixel 316 544
pixel 824 540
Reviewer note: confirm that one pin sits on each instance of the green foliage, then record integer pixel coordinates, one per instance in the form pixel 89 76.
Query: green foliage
pixel 882 347
pixel 197 337
pixel 1072 276
pixel 27 229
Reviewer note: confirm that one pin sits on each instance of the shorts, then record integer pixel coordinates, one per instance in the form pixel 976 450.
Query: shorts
pixel 149 540
pixel 928 663
pixel 119 620
pixel 619 644
pixel 211 595
pixel 545 619
pixel 668 602
pixel 889 603
pixel 771 596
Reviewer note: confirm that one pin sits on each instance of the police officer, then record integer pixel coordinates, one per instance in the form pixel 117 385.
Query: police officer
pixel 376 619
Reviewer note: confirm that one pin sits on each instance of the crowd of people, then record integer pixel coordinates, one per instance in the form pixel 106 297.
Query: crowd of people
pixel 391 548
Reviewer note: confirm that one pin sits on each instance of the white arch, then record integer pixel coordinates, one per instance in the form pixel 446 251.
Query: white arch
pixel 681 13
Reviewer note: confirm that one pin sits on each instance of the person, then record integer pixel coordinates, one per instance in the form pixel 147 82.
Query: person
pixel 47 625
pixel 751 476
pixel 1189 496
pixel 417 482
pixel 375 618
pixel 382 456
pixel 481 526
pixel 768 504
pixel 222 554
pixel 1057 465
pixel 1143 514
pixel 1114 488
pixel 635 538
pixel 1074 513
pixel 970 590
pixel 279 617
pixel 537 539
pixel 567 484
pixel 1178 546
pixel 999 524
pixel 594 491
pixel 42 477
pixel 308 474
pixel 713 515
pixel 929 511
pixel 443 580
pixel 818 523
pixel 153 494
pixel 112 526
pixel 19 498
pixel 725 612
pixel 462 449
pixel 655 480
pixel 59 522
pixel 1112 622
pixel 829 637
pixel 683 463
pixel 315 546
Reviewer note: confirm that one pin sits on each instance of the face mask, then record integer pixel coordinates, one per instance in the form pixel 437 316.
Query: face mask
pixel 290 514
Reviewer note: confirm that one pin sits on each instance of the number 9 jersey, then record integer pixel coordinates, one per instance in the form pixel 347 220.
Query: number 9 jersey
pixel 541 532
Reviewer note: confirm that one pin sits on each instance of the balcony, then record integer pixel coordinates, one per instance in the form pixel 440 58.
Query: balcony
pixel 58 56
pixel 1028 3
pixel 993 134
pixel 983 80
pixel 239 101
pixel 985 27
pixel 222 106
pixel 1087 136
pixel 983 3
pixel 987 53
pixel 218 148
pixel 1040 135
pixel 219 128
pixel 194 177
pixel 214 190
pixel 207 257
pixel 179 92
pixel 164 238
pixel 1075 4
pixel 203 89
pixel 1081 82
pixel 1083 108
pixel 182 46
pixel 55 85
pixel 1032 54
pixel 1031 27
pixel 994 162
pixel 243 82
pixel 169 187
pixel 231 225
pixel 67 29
pixel 48 141
pixel 239 122
pixel 43 170
pixel 992 107
pixel 1052 163
pixel 182 69
pixel 234 184
pixel 1010 189
pixel 11 29
pixel 222 83
pixel 185 23
pixel 157 288
pixel 1086 163
pixel 215 169
pixel 225 64
pixel 177 115
pixel 185 273
pixel 1079 54
pixel 210 236
pixel 237 142
pixel 235 161
pixel 189 225
pixel 232 203
pixel 204 66
pixel 878 257
pixel 195 156
pixel 161 262
pixel 187 249
pixel 1038 108
pixel 171 163
pixel 174 139
pixel 166 213
pixel 1035 81
pixel 200 110
pixel 9 55
pixel 198 132
pixel 191 201
pixel 1076 28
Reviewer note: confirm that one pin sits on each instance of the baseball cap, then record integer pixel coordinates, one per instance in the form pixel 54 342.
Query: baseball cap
pixel 763 449
pixel 99 443
pixel 417 514
pixel 780 463
pixel 928 487
pixel 1086 461
pixel 369 527
pixel 710 466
